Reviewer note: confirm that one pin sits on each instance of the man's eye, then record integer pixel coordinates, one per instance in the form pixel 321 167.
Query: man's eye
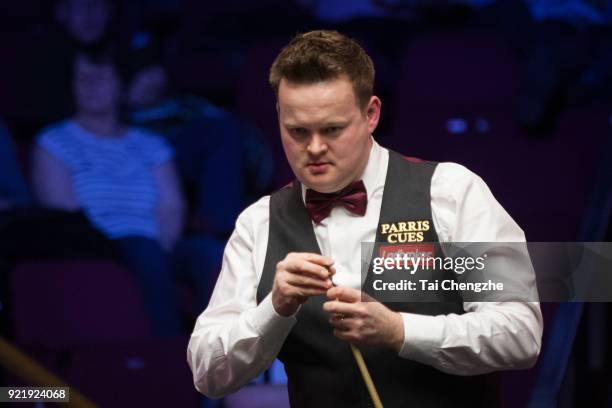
pixel 298 131
pixel 332 129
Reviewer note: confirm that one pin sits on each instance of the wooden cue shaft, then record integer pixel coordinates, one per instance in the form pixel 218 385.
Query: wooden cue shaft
pixel 363 368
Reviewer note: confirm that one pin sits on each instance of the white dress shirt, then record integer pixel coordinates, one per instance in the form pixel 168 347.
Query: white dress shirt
pixel 235 339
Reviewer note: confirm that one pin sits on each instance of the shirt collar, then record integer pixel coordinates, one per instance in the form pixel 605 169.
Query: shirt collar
pixel 374 174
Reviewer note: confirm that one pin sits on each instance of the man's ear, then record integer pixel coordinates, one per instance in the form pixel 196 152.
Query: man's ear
pixel 373 113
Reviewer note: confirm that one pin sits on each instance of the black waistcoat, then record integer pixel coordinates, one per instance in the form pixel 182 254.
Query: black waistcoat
pixel 320 367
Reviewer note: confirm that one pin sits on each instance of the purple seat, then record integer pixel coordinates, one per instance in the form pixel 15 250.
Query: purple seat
pixel 60 304
pixel 149 373
pixel 87 318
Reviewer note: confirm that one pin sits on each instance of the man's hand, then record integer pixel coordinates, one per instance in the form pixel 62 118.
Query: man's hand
pixel 299 276
pixel 363 323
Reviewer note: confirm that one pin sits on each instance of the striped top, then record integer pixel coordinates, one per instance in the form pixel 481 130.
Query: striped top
pixel 112 177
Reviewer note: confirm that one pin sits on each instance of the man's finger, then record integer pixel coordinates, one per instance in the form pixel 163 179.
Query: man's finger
pixel 347 309
pixel 307 281
pixel 304 292
pixel 331 270
pixel 303 266
pixel 342 322
pixel 315 258
pixel 344 294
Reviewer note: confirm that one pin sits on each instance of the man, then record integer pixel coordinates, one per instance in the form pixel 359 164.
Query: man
pixel 275 295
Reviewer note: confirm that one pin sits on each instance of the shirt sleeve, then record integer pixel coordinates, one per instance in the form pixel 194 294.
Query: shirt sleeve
pixel 55 140
pixel 235 339
pixel 156 148
pixel 490 335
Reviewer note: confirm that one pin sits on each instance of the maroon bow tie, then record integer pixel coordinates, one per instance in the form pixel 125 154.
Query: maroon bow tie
pixel 353 197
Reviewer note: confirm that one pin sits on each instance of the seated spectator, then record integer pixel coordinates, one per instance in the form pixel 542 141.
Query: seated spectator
pixel 77 25
pixel 123 178
pixel 206 139
pixel 86 26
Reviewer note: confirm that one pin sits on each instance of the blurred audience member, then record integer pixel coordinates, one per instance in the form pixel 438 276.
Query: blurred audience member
pixel 223 161
pixel 50 50
pixel 28 231
pixel 122 177
pixel 208 140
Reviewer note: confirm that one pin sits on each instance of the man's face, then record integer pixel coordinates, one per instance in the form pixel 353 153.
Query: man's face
pixel 96 87
pixel 325 134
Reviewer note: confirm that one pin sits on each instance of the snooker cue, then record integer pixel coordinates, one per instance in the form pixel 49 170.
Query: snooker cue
pixel 365 373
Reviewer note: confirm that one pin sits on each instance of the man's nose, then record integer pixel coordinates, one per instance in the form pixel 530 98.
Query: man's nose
pixel 316 145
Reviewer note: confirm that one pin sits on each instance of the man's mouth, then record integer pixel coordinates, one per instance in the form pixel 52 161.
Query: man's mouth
pixel 318 167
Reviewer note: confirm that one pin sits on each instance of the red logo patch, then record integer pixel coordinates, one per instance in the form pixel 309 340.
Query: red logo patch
pixel 411 251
